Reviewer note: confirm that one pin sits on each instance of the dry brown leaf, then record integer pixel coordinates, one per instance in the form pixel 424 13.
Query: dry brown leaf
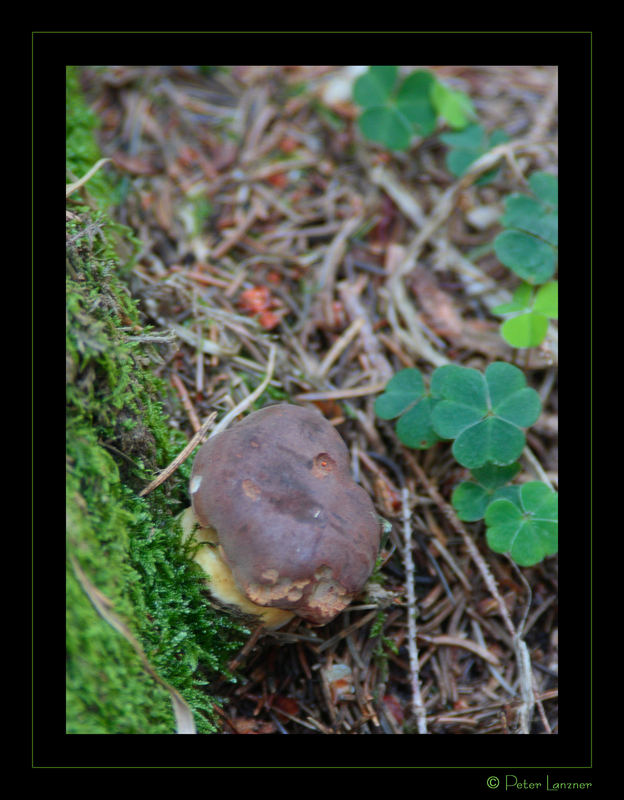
pixel 437 305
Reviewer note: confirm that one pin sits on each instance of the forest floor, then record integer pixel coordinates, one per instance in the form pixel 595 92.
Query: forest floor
pixel 267 223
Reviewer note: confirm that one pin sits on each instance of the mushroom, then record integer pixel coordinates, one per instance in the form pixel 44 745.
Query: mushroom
pixel 286 528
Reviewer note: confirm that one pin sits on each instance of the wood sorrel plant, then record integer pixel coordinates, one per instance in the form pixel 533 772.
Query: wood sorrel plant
pixel 395 111
pixel 529 247
pixel 485 415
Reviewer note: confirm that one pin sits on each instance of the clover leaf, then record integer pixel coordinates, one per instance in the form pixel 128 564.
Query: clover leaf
pixel 471 498
pixel 384 119
pixel 452 105
pixel 531 310
pixel 387 126
pixel 406 396
pixel 402 390
pixel 374 87
pixel 529 244
pixel 545 187
pixel 527 527
pixel 483 413
pixel 529 215
pixel 546 300
pixel 394 113
pixel 467 146
pixel 414 101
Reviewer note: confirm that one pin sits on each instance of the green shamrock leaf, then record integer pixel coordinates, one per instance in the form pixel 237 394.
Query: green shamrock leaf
pixel 393 114
pixel 405 396
pixel 528 246
pixel 531 311
pixel 527 527
pixel 484 414
pixel 471 498
pixel 467 146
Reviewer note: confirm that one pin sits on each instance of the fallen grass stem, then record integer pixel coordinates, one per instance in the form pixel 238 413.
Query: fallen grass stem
pixel 181 457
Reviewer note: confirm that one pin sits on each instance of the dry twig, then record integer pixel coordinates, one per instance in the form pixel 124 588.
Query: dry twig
pixel 181 457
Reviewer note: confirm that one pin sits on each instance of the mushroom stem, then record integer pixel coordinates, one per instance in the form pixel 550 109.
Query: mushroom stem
pixel 181 457
pixel 220 581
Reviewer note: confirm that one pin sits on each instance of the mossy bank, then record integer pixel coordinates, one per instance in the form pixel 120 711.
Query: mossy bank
pixel 138 622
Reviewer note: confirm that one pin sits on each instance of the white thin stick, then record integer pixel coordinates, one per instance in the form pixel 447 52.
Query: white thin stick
pixel 338 394
pixel 181 457
pixel 70 188
pixel 537 467
pixel 225 421
pixel 525 682
pixel 339 346
pixel 333 257
pixel 418 709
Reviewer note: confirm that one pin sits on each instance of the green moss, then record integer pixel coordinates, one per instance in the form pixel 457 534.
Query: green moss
pixel 81 151
pixel 107 689
pixel 105 189
pixel 128 547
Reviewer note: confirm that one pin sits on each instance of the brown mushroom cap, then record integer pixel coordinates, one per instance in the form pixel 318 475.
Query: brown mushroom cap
pixel 295 529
